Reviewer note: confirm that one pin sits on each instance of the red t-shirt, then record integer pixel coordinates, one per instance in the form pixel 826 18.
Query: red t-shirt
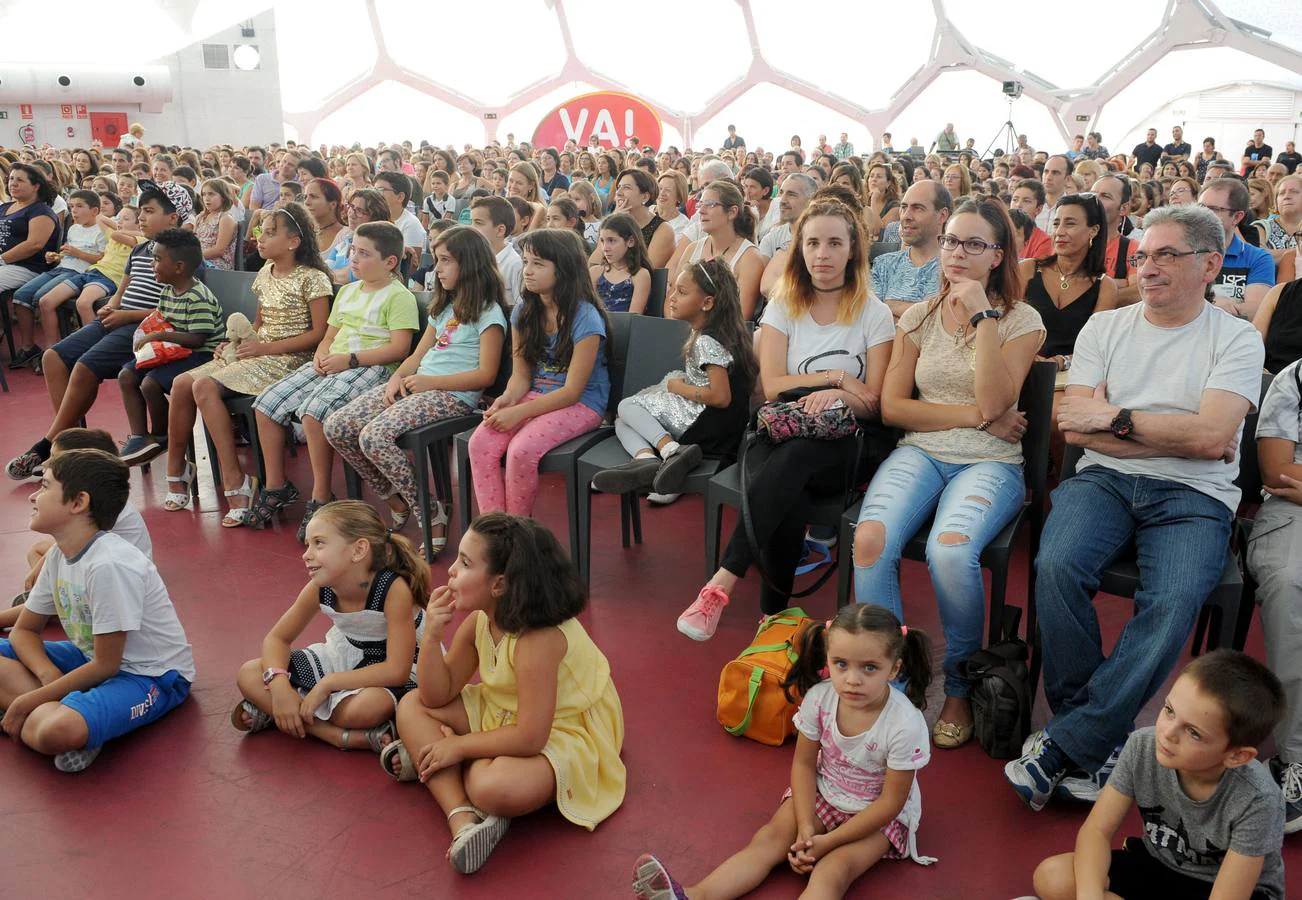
pixel 1038 245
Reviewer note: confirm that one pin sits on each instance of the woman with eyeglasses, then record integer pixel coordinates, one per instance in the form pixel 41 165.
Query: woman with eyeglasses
pixel 953 384
pixel 1182 192
pixel 729 226
pixel 365 205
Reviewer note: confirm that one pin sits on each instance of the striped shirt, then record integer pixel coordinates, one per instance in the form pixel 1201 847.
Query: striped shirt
pixel 196 310
pixel 142 291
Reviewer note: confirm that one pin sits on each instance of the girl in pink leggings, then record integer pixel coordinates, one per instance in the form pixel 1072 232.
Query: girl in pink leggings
pixel 559 385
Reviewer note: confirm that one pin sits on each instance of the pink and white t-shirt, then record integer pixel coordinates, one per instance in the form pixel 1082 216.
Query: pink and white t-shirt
pixel 852 770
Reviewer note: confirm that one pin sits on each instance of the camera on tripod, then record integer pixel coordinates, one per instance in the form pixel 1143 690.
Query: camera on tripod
pixel 1013 89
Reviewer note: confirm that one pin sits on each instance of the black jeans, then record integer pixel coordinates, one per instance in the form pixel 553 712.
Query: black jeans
pixel 782 478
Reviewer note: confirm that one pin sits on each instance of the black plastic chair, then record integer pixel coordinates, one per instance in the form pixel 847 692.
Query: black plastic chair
pixel 1036 403
pixel 430 444
pixel 1250 482
pixel 6 320
pixel 655 303
pixel 234 290
pixel 655 347
pixel 563 458
pixel 880 247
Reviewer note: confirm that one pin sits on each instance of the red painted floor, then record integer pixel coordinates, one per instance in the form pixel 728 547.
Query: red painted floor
pixel 190 808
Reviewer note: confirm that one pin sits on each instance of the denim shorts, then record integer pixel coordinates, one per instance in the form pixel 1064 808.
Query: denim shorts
pixel 102 351
pixel 116 705
pixel 89 277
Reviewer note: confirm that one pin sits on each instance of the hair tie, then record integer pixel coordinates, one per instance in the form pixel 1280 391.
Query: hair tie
pixel 827 624
pixel 904 630
pixel 388 533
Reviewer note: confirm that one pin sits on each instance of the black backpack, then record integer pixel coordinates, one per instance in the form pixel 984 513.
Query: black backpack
pixel 1001 691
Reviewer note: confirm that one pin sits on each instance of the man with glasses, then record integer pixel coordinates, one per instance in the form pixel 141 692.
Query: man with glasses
pixel 912 273
pixel 1156 397
pixel 1247 272
pixel 396 189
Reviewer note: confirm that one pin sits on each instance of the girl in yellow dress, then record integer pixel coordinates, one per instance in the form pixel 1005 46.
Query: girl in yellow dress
pixel 544 723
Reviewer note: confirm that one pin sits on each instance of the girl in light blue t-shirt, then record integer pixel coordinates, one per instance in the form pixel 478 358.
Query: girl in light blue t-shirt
pixel 456 360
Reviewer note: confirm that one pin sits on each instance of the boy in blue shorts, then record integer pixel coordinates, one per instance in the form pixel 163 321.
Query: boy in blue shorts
pixel 75 367
pixel 1213 815
pixel 126 662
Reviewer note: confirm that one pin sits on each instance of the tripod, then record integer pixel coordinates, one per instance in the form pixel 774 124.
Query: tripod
pixel 1007 133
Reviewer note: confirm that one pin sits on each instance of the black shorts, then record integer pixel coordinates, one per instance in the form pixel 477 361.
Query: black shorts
pixel 1135 874
pixel 101 351
pixel 165 374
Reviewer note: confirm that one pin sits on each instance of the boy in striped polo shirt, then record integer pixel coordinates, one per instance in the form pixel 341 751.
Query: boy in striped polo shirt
pixel 74 367
pixel 194 318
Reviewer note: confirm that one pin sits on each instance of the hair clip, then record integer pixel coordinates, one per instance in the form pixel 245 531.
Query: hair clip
pixel 904 630
pixel 827 624
pixel 388 532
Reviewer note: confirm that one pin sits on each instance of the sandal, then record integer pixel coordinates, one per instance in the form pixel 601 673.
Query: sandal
pixel 406 768
pixel 175 501
pixel 271 503
pixel 308 513
pixel 471 846
pixel 241 515
pixel 257 720
pixel 948 736
pixel 373 736
pixel 438 544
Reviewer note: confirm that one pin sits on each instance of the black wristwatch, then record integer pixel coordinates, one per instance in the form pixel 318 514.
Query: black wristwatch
pixel 1123 426
pixel 984 314
pixel 352 361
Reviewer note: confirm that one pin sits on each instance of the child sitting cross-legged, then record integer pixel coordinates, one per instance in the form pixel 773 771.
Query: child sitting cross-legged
pixel 543 724
pixel 854 797
pixel 194 320
pixel 129 525
pixel 371 584
pixel 1213 815
pixel 667 428
pixel 126 661
pixel 368 334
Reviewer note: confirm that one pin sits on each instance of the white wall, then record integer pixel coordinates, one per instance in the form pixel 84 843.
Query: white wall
pixel 208 106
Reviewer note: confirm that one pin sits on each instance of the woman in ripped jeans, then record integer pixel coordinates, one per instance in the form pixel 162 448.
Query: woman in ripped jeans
pixel 966 353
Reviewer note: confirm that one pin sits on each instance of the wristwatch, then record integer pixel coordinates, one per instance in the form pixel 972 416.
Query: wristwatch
pixel 984 314
pixel 352 361
pixel 270 675
pixel 1122 425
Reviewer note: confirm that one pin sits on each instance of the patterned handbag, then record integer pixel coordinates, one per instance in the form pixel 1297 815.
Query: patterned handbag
pixel 779 421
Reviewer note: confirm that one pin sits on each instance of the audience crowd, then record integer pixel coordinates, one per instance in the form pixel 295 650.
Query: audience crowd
pixel 916 289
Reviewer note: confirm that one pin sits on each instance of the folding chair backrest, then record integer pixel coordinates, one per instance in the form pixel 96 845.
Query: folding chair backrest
pixel 655 304
pixel 422 315
pixel 1250 480
pixel 880 247
pixel 241 234
pixel 617 355
pixel 655 347
pixel 234 290
pixel 503 367
pixel 1036 403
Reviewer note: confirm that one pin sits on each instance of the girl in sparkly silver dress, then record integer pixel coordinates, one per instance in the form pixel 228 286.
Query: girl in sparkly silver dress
pixel 701 409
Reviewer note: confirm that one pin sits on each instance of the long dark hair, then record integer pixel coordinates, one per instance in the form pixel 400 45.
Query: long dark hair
pixel 302 225
pixel 910 646
pixel 543 589
pixel 479 283
pixel 627 228
pixel 1095 257
pixel 724 322
pixel 45 190
pixel 564 250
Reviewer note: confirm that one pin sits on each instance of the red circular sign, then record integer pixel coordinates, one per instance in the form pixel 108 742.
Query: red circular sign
pixel 612 116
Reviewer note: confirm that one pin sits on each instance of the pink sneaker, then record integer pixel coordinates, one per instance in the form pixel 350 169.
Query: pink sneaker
pixel 700 619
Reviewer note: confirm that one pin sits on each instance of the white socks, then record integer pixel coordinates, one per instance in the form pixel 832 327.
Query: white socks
pixel 669 449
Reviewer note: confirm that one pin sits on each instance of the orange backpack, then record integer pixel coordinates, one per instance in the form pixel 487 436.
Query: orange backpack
pixel 751 701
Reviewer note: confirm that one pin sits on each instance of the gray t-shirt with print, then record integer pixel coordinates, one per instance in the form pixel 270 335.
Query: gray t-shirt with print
pixel 1245 814
pixel 1281 417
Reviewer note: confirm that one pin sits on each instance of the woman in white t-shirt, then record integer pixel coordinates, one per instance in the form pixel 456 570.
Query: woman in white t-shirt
pixel 965 354
pixel 824 332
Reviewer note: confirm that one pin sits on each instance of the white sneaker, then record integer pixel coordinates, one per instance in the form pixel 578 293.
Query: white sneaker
pixel 662 499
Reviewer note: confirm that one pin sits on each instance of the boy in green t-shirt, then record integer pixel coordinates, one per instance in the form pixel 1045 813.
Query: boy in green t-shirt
pixel 195 318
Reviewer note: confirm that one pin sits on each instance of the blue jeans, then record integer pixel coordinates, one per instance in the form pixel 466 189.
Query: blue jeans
pixel 1181 536
pixel 30 294
pixel 975 500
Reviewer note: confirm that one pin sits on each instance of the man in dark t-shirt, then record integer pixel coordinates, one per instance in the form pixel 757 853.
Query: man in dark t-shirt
pixel 1147 152
pixel 1257 151
pixel 1178 149
pixel 1290 158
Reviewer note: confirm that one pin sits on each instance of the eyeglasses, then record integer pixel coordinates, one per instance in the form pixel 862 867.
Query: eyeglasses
pixel 1162 258
pixel 972 246
pixel 707 204
pixel 1219 210
pixel 360 210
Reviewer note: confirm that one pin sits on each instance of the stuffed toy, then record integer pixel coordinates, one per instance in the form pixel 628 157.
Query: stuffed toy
pixel 238 330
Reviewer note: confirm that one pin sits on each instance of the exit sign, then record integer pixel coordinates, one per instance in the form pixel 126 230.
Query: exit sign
pixel 490 115
pixel 1082 117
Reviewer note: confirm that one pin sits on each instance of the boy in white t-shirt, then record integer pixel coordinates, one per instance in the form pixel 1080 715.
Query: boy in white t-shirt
pixel 129 525
pixel 494 218
pixel 127 661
